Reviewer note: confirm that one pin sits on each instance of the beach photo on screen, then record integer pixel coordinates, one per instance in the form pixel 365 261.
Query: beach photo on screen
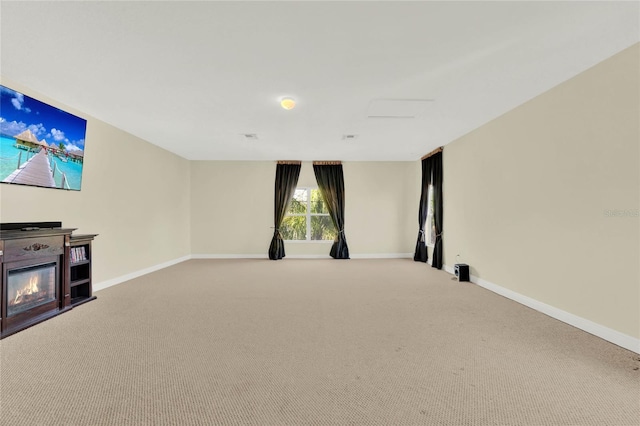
pixel 40 145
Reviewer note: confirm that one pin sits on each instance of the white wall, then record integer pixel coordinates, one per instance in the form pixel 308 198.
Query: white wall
pixel 232 208
pixel 526 197
pixel 134 194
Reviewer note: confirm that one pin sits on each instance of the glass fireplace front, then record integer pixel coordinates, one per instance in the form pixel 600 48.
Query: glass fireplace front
pixel 30 287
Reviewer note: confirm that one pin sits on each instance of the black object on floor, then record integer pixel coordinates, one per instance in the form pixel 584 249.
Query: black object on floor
pixel 462 271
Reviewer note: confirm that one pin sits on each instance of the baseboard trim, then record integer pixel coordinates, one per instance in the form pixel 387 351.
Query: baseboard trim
pixel 229 256
pixel 606 333
pixel 118 280
pixel 258 256
pixel 303 256
pixel 383 256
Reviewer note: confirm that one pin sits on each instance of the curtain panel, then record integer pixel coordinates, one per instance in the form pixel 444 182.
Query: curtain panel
pixel 420 254
pixel 436 165
pixel 286 180
pixel 331 185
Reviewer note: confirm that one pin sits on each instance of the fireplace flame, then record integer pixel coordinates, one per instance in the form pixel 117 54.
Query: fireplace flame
pixel 27 290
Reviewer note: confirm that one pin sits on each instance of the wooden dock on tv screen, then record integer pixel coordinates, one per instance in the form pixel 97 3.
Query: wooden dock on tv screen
pixel 36 171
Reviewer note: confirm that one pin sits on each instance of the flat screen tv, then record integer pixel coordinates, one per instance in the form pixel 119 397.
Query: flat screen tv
pixel 40 145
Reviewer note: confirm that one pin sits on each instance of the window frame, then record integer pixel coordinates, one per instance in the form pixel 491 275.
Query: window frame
pixel 307 215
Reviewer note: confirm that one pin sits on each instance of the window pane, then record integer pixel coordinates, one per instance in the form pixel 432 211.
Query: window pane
pixel 317 203
pixel 294 228
pixel 299 202
pixel 431 200
pixel 322 228
pixel 430 225
pixel 432 234
pixel 430 230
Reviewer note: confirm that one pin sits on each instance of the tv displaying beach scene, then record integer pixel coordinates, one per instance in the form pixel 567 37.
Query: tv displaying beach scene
pixel 40 145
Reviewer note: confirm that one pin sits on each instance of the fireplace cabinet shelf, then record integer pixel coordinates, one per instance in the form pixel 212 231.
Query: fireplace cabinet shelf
pixel 79 282
pixel 80 288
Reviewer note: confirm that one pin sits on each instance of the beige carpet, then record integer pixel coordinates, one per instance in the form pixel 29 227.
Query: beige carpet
pixel 311 342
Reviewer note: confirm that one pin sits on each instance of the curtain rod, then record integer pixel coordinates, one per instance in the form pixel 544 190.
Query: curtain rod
pixel 327 163
pixel 435 151
pixel 289 162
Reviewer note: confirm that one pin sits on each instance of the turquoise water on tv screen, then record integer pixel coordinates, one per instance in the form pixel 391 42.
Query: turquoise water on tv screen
pixel 9 155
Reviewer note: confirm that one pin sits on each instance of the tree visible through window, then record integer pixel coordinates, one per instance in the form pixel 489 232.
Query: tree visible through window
pixel 307 218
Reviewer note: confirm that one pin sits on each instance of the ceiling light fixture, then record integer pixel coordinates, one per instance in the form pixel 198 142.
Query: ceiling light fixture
pixel 288 103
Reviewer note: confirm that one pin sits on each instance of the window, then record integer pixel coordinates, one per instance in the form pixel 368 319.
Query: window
pixel 430 225
pixel 307 218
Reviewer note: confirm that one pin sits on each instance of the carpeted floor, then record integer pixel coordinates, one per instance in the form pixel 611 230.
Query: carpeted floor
pixel 311 342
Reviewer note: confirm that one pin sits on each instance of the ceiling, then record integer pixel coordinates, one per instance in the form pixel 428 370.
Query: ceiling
pixel 193 77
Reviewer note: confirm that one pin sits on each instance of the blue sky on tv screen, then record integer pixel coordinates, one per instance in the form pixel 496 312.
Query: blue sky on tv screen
pixel 19 112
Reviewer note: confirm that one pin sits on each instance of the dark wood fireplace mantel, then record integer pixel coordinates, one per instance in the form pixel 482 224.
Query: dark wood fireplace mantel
pixel 33 253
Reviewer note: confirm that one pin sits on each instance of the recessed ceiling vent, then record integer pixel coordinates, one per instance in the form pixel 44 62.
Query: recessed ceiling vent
pixel 398 108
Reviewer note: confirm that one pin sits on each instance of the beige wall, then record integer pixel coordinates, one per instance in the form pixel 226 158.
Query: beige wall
pixel 382 206
pixel 527 195
pixel 232 208
pixel 134 194
pixel 227 207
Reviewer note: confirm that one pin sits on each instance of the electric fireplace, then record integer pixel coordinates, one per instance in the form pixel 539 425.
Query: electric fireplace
pixel 31 288
pixel 32 280
pixel 45 270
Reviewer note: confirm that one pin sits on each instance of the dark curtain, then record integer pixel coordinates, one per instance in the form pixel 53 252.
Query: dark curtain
pixel 421 247
pixel 331 185
pixel 436 165
pixel 286 180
